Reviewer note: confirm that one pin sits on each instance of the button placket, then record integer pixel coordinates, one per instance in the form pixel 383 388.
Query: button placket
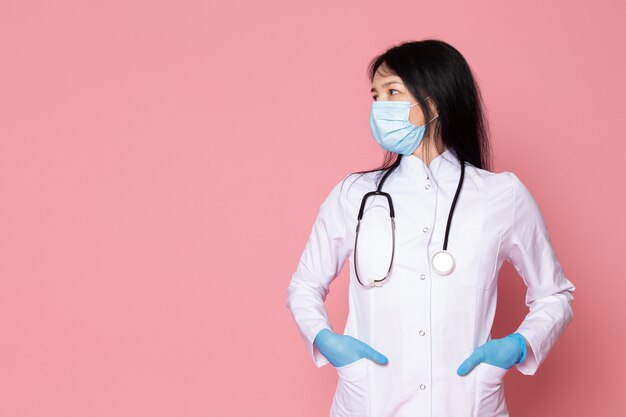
pixel 427 186
pixel 426 230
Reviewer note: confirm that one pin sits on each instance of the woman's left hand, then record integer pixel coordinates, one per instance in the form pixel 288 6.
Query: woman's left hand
pixel 504 352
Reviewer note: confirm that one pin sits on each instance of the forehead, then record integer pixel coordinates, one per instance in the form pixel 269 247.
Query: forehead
pixel 381 82
pixel 383 78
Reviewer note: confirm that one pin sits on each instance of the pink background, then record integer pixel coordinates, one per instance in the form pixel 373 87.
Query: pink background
pixel 162 163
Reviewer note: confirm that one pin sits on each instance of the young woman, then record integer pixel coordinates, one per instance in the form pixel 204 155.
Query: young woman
pixel 424 248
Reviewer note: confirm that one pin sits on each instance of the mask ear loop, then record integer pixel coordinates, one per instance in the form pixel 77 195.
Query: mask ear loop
pixel 415 104
pixel 433 117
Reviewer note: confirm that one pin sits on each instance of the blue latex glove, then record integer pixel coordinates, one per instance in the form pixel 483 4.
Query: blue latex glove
pixel 342 349
pixel 504 352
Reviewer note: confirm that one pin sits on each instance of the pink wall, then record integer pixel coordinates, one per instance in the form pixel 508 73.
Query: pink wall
pixel 161 164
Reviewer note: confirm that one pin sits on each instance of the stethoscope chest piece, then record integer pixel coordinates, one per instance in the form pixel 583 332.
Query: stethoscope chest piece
pixel 443 262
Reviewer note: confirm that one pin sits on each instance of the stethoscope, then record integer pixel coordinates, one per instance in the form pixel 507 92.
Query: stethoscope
pixel 442 262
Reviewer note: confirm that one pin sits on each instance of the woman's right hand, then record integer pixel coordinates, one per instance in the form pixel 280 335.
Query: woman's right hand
pixel 341 350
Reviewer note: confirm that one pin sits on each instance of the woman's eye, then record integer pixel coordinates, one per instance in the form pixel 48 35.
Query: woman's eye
pixel 390 90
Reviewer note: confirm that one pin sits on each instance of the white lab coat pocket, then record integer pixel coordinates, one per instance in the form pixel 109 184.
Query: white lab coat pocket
pixel 481 259
pixel 352 393
pixel 490 400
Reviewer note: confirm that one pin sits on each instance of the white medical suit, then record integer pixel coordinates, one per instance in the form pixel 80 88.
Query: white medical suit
pixel 427 324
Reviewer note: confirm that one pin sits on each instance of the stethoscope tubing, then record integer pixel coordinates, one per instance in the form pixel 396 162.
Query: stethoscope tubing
pixel 378 191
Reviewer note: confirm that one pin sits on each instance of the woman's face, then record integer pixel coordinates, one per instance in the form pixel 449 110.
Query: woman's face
pixel 387 86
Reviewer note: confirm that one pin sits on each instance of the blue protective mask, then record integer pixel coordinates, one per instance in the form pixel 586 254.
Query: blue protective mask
pixel 389 121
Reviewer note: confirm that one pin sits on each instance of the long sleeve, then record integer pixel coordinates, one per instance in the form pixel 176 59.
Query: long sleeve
pixel 549 293
pixel 322 260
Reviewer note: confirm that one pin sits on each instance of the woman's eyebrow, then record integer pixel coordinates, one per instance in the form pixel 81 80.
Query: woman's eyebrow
pixel 385 85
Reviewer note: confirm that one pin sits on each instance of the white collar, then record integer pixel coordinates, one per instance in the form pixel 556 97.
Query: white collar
pixel 441 167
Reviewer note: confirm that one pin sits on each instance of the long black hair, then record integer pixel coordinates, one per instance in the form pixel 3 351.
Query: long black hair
pixel 434 68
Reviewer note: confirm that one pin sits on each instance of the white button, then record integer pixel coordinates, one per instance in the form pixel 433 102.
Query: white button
pixel 422 333
pixel 422 386
pixel 427 186
pixel 425 229
pixel 422 276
